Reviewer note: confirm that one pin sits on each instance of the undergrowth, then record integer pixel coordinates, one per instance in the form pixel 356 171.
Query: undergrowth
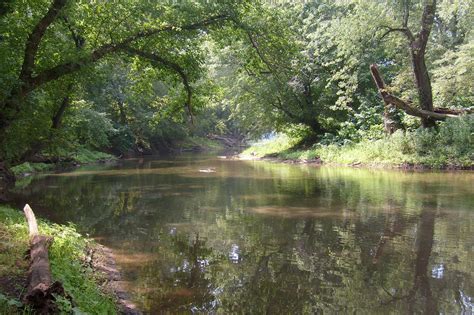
pixel 449 146
pixel 66 256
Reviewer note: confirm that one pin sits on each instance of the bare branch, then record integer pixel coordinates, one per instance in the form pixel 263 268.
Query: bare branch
pixel 404 30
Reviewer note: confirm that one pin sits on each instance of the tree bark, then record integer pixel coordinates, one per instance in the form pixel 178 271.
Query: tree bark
pixel 41 289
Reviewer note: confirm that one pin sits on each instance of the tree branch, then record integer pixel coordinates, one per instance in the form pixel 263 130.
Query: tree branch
pixel 70 67
pixel 408 108
pixel 171 65
pixel 404 30
pixel 35 37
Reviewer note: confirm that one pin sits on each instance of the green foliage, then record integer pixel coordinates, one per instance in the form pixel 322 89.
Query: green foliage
pixel 10 305
pixel 66 255
pixel 90 127
pixel 83 156
pixel 199 144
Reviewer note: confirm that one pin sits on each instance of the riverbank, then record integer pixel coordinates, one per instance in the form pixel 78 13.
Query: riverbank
pixel 402 150
pixel 80 157
pixel 85 269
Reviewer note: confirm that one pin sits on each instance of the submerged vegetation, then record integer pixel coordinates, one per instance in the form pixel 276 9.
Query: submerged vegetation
pixel 67 259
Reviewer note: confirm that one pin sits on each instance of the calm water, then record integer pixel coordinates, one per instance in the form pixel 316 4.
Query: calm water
pixel 258 237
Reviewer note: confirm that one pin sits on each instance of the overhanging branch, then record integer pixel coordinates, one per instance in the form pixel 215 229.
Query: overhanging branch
pixel 170 65
pixel 35 37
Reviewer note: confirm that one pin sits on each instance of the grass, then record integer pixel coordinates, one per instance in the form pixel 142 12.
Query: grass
pixel 66 259
pixel 450 146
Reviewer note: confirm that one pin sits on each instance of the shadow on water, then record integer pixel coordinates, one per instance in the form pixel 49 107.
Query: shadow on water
pixel 257 237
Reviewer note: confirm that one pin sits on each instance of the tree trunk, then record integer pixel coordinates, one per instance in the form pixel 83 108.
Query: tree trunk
pixel 417 49
pixel 41 289
pixel 423 85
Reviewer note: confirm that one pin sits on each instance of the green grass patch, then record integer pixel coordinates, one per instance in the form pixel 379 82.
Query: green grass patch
pixel 66 255
pixel 81 155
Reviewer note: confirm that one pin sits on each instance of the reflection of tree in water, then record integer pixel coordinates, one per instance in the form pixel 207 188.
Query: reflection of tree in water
pixel 187 286
pixel 421 291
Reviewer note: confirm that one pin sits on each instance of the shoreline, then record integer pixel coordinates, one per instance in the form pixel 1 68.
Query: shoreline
pixel 375 166
pixel 102 260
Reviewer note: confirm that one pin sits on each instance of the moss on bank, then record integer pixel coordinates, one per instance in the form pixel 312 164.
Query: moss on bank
pixel 451 146
pixel 66 255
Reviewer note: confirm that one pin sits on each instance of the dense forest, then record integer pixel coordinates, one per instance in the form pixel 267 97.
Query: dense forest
pixel 138 77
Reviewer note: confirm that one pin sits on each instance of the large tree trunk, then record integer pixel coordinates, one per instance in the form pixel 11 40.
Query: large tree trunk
pixel 417 46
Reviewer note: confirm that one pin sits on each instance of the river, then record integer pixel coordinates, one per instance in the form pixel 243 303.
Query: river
pixel 197 233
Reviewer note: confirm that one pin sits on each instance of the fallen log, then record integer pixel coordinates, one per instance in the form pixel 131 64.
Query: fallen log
pixel 41 288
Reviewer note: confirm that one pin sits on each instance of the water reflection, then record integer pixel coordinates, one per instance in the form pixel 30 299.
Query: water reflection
pixel 255 237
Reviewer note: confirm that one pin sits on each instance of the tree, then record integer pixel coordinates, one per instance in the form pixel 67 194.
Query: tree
pixel 417 47
pixel 39 57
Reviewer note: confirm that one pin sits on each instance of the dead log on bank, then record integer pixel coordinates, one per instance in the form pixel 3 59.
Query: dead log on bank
pixel 41 288
pixel 437 113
